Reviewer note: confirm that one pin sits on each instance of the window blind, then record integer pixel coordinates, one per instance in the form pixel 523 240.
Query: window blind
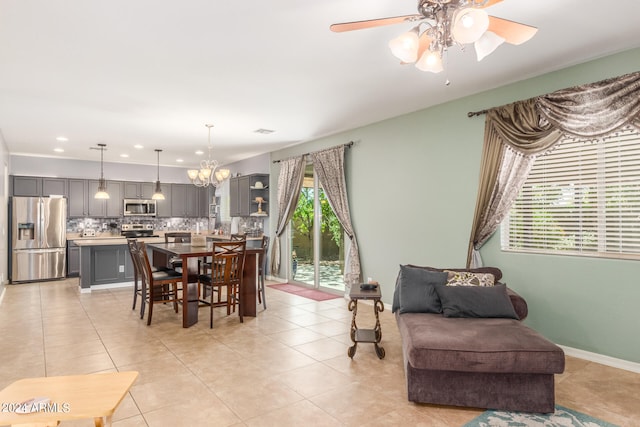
pixel 581 198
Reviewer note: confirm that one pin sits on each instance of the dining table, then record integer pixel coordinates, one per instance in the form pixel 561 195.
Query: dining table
pixel 190 253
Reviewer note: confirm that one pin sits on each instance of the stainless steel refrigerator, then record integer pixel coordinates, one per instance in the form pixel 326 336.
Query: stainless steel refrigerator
pixel 38 238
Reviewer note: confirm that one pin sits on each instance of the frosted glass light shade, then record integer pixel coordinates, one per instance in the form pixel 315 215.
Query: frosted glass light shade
pixel 222 174
pixel 405 46
pixel 487 44
pixel 469 24
pixel 192 173
pixel 157 195
pixel 102 190
pixel 205 172
pixel 430 61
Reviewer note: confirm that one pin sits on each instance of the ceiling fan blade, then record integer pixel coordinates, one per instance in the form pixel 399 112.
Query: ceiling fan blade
pixel 359 25
pixel 512 32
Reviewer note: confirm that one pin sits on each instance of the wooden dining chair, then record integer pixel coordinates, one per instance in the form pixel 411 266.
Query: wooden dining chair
pixel 225 273
pixel 177 237
pixel 262 270
pixel 137 290
pixel 238 237
pixel 159 287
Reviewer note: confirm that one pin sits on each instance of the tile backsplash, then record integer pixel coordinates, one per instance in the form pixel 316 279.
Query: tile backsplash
pixel 205 225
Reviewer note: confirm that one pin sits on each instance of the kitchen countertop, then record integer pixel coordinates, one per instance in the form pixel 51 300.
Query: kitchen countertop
pixel 113 241
pixel 108 239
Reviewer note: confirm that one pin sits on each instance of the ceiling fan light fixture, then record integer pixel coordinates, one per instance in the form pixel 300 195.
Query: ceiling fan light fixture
pixel 405 46
pixel 486 44
pixel 430 61
pixel 469 24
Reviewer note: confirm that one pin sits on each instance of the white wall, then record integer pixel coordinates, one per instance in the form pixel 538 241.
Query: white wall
pixel 68 168
pixel 4 211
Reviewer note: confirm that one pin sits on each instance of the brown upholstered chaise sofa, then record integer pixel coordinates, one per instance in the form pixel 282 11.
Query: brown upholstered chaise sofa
pixel 485 362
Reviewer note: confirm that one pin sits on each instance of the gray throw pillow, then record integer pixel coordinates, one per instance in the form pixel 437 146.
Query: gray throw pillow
pixel 476 301
pixel 416 290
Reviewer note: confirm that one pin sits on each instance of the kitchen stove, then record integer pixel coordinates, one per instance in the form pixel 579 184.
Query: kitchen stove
pixel 137 230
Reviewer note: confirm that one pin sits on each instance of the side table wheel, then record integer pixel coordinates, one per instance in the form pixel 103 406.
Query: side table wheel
pixel 351 351
pixel 379 351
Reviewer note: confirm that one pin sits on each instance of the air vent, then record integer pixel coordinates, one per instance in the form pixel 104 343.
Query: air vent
pixel 264 131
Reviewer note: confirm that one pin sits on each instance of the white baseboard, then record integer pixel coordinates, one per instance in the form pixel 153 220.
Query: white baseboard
pixel 602 359
pixel 107 286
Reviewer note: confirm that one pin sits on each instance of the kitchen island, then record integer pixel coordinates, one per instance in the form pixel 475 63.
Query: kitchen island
pixel 105 262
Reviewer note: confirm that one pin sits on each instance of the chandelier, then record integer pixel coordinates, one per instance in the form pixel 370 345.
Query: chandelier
pixel 208 174
pixel 454 22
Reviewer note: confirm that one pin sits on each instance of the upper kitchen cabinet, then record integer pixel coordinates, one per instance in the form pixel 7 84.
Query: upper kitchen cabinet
pixel 77 202
pixel 138 190
pixel 31 186
pixel 105 208
pixel 163 207
pixel 184 200
pixel 249 195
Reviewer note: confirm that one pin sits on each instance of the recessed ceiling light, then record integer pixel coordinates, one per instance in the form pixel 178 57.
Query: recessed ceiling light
pixel 179 160
pixel 138 147
pixel 264 131
pixel 62 139
pixel 125 155
pixel 58 150
pixel 199 152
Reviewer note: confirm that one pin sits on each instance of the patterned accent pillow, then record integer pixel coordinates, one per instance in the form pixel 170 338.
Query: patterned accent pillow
pixel 466 278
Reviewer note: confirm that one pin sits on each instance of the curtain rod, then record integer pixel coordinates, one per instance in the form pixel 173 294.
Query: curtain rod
pixel 347 145
pixel 477 113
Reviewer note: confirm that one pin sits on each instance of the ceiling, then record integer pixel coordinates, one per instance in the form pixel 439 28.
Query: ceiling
pixel 154 72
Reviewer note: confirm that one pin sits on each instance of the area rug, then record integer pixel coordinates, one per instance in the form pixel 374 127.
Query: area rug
pixel 304 292
pixel 562 417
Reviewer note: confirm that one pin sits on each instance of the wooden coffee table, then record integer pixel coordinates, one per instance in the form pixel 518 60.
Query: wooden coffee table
pixel 70 398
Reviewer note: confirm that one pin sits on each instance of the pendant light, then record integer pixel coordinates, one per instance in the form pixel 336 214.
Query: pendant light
pixel 102 184
pixel 157 195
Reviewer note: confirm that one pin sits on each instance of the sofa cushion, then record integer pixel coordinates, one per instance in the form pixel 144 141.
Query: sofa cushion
pixel 415 290
pixel 497 273
pixel 431 341
pixel 468 278
pixel 475 301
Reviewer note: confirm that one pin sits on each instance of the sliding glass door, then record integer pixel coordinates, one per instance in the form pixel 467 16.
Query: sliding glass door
pixel 317 239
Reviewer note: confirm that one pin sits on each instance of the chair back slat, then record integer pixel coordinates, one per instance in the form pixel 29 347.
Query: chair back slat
pixel 177 237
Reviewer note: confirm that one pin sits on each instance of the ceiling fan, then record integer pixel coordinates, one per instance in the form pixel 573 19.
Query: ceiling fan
pixel 447 23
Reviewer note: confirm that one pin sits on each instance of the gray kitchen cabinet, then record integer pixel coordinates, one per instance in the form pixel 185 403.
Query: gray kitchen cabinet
pixel 243 193
pixel 105 208
pixel 184 200
pixel 54 186
pixel 73 259
pixel 32 186
pixel 105 264
pixel 138 190
pixel 163 207
pixel 77 198
pixel 27 186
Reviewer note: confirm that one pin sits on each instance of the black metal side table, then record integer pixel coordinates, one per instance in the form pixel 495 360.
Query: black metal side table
pixel 366 335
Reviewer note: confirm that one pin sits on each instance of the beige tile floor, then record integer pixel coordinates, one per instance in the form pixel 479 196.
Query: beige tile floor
pixel 286 367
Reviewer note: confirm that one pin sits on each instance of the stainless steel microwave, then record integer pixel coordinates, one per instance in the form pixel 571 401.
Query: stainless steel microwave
pixel 139 207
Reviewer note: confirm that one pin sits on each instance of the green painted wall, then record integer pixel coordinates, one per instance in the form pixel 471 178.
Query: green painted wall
pixel 412 185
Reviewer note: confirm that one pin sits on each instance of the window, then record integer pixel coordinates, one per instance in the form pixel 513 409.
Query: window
pixel 582 198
